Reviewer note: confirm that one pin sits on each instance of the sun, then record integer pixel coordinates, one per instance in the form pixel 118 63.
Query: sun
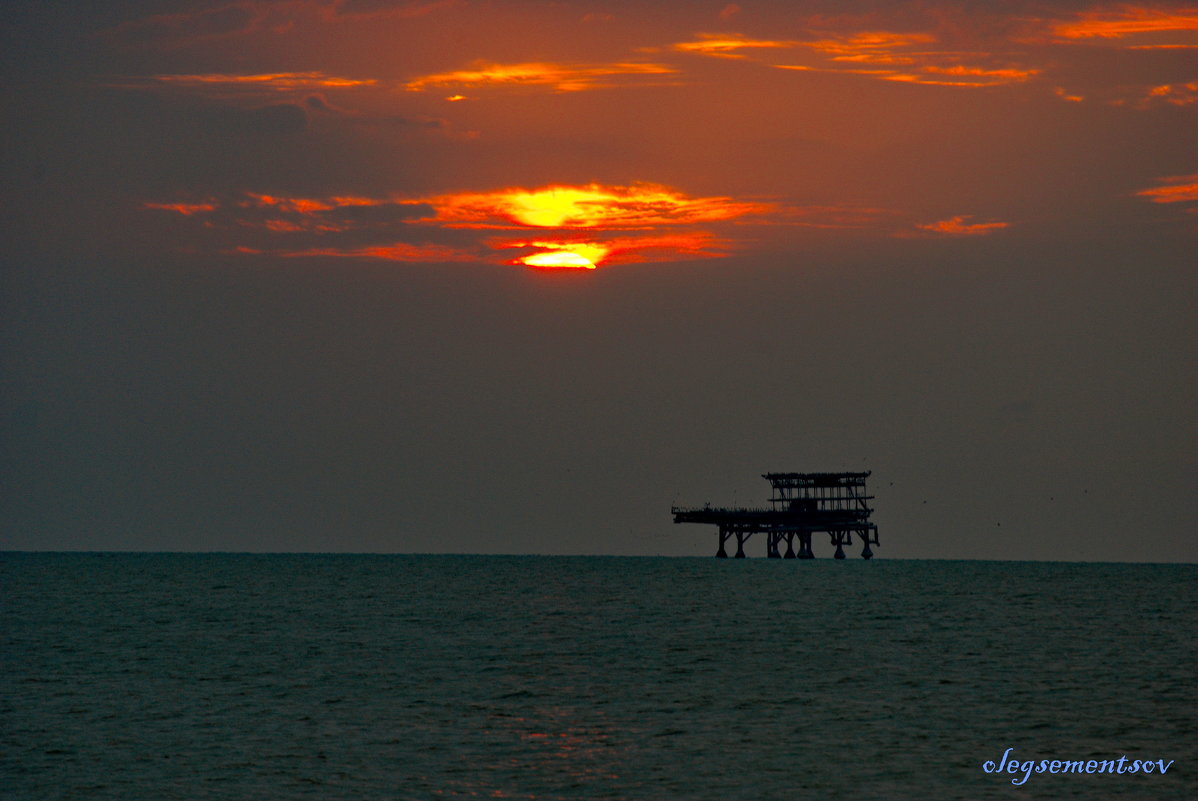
pixel 561 255
pixel 558 260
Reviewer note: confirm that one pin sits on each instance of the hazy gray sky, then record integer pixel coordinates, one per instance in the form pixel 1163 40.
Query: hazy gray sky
pixel 317 276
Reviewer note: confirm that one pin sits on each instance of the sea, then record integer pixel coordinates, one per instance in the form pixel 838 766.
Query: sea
pixel 149 677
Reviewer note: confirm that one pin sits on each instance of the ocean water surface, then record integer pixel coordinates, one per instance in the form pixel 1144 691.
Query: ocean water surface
pixel 148 677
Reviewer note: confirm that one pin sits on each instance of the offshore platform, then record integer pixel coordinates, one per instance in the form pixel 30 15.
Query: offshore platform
pixel 801 504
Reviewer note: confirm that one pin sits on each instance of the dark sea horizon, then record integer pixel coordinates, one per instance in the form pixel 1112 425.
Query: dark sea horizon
pixel 153 676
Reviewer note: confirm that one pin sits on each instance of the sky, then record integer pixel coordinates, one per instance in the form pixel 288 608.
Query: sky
pixel 480 277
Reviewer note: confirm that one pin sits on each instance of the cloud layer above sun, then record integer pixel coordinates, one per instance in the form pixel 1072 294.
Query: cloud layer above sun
pixel 577 227
pixel 572 137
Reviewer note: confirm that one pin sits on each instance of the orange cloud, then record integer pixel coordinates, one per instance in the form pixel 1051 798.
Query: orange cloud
pixel 359 200
pixel 968 76
pixel 871 47
pixel 958 226
pixel 959 75
pixel 962 76
pixel 562 77
pixel 1175 94
pixel 186 209
pixel 399 251
pixel 910 58
pixel 1177 189
pixel 1128 21
pixel 295 225
pixel 1003 75
pixel 592 206
pixel 302 205
pixel 282 226
pixel 273 81
pixel 725 45
pixel 283 215
pixel 840 70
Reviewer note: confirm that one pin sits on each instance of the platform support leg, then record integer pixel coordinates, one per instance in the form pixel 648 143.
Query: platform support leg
pixel 839 540
pixel 740 545
pixel 721 553
pixel 805 546
pixel 771 550
pixel 866 553
pixel 790 545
